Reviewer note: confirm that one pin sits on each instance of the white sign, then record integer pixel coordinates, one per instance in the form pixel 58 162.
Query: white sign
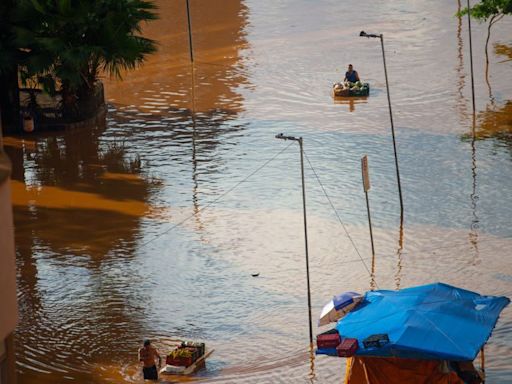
pixel 366 175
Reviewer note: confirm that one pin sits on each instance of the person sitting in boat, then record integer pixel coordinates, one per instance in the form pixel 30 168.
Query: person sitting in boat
pixel 351 75
pixel 147 356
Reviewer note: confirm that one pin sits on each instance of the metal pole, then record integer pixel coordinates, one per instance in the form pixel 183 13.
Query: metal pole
pixel 190 33
pixel 306 239
pixel 471 60
pixel 372 282
pixel 283 137
pixel 392 131
pixel 366 187
pixel 370 223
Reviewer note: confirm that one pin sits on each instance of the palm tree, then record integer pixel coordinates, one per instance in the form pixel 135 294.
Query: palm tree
pixel 70 42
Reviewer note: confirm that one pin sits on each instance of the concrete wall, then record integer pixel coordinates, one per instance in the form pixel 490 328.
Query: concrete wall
pixel 8 304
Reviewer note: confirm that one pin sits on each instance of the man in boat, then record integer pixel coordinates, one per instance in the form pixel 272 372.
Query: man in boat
pixel 351 75
pixel 147 356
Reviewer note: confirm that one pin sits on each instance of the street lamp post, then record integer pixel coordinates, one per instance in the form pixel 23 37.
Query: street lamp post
pixel 299 140
pixel 381 37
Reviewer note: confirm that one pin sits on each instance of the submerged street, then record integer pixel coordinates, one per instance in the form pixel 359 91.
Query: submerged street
pixel 153 225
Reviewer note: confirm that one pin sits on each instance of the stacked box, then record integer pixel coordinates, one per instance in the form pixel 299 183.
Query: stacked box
pixel 347 347
pixel 329 339
pixel 376 341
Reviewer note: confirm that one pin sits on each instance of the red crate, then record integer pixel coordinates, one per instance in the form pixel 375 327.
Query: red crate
pixel 328 340
pixel 347 347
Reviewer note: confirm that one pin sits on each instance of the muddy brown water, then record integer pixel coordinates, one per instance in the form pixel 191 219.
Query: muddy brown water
pixel 152 225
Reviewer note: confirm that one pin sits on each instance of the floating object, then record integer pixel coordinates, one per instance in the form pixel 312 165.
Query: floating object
pixel 255 274
pixel 348 89
pixel 338 307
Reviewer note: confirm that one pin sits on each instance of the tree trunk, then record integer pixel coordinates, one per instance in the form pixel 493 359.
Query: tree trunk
pixel 492 21
pixel 10 102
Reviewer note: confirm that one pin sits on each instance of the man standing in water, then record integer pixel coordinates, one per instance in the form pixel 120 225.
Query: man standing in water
pixel 351 75
pixel 147 355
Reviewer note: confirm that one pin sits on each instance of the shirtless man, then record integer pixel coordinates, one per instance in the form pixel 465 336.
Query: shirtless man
pixel 147 355
pixel 351 75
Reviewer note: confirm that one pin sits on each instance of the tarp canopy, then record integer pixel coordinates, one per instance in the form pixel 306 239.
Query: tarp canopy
pixel 435 321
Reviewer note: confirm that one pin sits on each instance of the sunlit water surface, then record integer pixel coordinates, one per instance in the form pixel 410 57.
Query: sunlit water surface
pixel 153 225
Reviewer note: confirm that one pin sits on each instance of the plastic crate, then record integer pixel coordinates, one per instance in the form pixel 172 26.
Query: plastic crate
pixel 347 347
pixel 376 341
pixel 329 339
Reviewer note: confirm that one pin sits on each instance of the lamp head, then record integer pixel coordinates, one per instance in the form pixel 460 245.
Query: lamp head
pixel 368 35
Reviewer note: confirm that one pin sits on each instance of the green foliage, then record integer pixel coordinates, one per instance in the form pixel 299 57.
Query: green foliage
pixel 8 51
pixel 489 8
pixel 69 42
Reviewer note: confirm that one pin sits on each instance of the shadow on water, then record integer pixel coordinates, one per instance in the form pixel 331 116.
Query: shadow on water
pixel 350 101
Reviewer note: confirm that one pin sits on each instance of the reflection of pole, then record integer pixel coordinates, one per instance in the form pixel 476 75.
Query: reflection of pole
pixel 471 59
pixel 392 131
pixel 190 33
pixel 473 233
pixel 281 136
pixel 398 277
pixel 482 362
pixel 312 375
pixel 366 187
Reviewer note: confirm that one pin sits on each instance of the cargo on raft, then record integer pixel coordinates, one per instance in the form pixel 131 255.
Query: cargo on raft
pixel 186 358
pixel 348 89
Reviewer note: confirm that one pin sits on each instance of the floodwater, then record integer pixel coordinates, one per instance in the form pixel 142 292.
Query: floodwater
pixel 152 225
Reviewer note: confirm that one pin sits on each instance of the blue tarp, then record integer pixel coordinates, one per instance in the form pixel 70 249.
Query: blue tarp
pixel 435 321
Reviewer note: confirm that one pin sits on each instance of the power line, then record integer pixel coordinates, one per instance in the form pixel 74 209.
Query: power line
pixel 337 215
pixel 218 198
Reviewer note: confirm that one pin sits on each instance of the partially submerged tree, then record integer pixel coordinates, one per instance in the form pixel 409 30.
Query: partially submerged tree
pixel 493 11
pixel 70 42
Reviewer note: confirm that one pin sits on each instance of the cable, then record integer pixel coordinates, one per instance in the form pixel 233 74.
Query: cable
pixel 338 216
pixel 218 198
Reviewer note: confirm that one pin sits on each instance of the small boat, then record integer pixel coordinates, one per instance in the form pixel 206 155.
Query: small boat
pixel 186 359
pixel 348 89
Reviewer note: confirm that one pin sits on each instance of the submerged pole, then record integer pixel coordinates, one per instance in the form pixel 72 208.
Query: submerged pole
pixel 300 141
pixel 366 188
pixel 190 33
pixel 306 238
pixel 392 132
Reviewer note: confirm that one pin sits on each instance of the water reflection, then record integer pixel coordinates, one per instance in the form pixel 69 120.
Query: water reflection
pixel 350 101
pixel 77 209
pixel 503 50
pixel 473 234
pixel 461 100
pixel 495 123
pixel 82 199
